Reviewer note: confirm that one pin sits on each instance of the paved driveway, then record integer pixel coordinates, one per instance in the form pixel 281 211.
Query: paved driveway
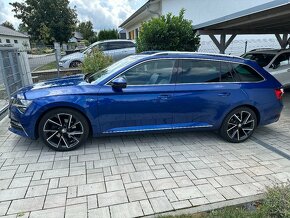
pixel 139 175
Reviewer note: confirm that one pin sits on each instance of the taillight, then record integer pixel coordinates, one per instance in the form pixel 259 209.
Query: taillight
pixel 279 93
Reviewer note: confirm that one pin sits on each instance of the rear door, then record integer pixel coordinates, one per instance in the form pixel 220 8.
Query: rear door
pixel 205 89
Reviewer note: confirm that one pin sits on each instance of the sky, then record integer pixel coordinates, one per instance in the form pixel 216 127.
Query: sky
pixel 104 14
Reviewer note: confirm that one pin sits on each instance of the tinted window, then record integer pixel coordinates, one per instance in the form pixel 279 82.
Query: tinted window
pixel 246 73
pixel 151 73
pixel 262 59
pixel 281 60
pixel 199 71
pixel 227 74
pixel 115 45
pixel 129 45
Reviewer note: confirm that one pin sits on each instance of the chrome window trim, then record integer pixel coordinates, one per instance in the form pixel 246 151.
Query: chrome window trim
pixel 202 59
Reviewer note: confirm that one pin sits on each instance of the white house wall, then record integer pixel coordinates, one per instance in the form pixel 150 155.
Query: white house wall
pixel 20 40
pixel 200 11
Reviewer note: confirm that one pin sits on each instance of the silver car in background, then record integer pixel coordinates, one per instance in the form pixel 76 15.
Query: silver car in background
pixel 117 49
pixel 275 61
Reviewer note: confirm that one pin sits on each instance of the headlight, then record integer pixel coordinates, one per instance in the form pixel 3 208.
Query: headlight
pixel 21 104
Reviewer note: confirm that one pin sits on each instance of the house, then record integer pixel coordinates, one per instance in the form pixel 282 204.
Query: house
pixel 77 37
pixel 122 34
pixel 14 38
pixel 197 11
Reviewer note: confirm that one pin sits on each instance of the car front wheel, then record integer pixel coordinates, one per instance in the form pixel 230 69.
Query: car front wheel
pixel 239 125
pixel 63 129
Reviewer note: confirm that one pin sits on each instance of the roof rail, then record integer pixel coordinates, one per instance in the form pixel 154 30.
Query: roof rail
pixel 197 53
pixel 261 49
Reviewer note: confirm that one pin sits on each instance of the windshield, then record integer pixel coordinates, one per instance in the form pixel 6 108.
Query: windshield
pixel 88 49
pixel 262 59
pixel 102 74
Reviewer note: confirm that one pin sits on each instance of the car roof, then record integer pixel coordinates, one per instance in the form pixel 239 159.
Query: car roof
pixel 212 56
pixel 267 51
pixel 112 40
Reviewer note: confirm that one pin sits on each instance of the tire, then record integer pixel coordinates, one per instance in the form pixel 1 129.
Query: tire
pixel 75 64
pixel 239 125
pixel 63 129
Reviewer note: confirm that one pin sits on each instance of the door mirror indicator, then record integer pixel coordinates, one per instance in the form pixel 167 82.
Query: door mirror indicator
pixel 119 83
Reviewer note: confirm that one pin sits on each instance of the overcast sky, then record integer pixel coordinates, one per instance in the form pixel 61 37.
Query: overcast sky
pixel 103 13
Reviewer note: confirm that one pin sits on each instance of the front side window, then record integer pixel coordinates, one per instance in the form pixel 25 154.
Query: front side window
pixel 151 73
pixel 281 60
pixel 246 73
pixel 262 59
pixel 199 71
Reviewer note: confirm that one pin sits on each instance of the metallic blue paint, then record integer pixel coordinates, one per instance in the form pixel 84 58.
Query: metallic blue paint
pixel 149 108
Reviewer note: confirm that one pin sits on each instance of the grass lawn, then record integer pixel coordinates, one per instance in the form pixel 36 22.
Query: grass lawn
pixel 49 66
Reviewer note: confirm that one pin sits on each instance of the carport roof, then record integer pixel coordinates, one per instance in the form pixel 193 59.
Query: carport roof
pixel 269 18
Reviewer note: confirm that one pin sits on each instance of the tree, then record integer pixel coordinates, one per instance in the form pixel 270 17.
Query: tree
pixel 108 34
pixel 168 33
pixel 86 29
pixel 8 25
pixel 22 28
pixel 47 20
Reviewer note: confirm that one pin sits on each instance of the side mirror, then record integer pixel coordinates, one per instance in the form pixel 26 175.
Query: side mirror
pixel 119 83
pixel 274 66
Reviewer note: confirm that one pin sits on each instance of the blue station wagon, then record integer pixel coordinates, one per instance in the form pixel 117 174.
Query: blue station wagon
pixel 143 93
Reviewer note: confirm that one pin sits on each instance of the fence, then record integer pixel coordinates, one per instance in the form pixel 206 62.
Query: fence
pixel 14 73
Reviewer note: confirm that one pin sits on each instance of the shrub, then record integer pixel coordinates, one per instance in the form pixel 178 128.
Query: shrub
pixel 168 33
pixel 277 201
pixel 95 61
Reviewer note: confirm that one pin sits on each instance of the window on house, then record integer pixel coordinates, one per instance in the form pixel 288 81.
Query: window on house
pixel 16 41
pixel 131 35
pixel 7 40
pixel 137 33
pixel 0 40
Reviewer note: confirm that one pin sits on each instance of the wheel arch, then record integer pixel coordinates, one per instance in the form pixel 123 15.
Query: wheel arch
pixel 58 107
pixel 256 111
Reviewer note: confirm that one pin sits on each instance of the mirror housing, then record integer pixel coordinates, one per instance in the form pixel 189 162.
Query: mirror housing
pixel 119 83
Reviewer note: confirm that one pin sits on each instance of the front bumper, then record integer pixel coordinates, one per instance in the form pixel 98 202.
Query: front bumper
pixel 21 124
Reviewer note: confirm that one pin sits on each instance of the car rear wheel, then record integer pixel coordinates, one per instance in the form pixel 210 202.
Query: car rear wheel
pixel 63 129
pixel 239 125
pixel 75 64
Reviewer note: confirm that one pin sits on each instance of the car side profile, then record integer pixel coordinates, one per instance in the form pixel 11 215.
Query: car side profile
pixel 117 49
pixel 275 61
pixel 165 91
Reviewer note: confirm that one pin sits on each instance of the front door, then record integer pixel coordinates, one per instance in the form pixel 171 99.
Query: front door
pixel 281 68
pixel 145 104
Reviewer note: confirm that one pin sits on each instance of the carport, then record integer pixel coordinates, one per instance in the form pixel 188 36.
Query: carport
pixel 269 18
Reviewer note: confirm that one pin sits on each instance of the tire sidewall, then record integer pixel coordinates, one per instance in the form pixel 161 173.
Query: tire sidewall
pixel 74 113
pixel 224 127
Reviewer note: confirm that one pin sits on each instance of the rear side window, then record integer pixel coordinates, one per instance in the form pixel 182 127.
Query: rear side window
pixel 245 73
pixel 199 71
pixel 129 45
pixel 227 74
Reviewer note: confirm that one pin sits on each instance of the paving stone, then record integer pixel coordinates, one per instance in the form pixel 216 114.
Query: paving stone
pixel 95 177
pixel 187 193
pixel 162 184
pixel 20 182
pixel 127 168
pixel 91 189
pixel 39 166
pixel 204 173
pixel 155 194
pixel 247 189
pixel 181 204
pixel 133 185
pixel 228 192
pixel 114 185
pixel 76 211
pixel 183 181
pixel 136 194
pixel 237 164
pixel 11 194
pixel 228 180
pixel 159 174
pixel 48 213
pixel 57 200
pixel 79 200
pixel 105 163
pixel 35 191
pixel 25 205
pixel 163 160
pixel 88 157
pixel 160 204
pixel 199 201
pixel 4 207
pixel 146 207
pixel 141 176
pixel 260 170
pixel 170 195
pixel 103 212
pixel 7 174
pixel 92 201
pixel 72 181
pixel 111 198
pixel 4 184
pixel 126 210
pixel 48 174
